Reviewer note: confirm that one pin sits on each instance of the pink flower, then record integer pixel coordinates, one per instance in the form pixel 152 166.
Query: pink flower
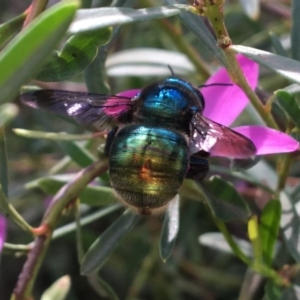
pixel 224 104
pixel 2 231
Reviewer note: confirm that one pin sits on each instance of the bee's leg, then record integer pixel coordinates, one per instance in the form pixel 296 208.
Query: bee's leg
pixel 199 166
pixel 109 140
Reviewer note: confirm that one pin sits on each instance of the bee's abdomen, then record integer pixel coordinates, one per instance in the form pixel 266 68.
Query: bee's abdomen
pixel 147 165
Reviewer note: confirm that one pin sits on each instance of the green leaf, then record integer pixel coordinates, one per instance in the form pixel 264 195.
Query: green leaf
pixel 272 291
pixel 78 153
pixel 290 225
pixel 9 211
pixel 96 18
pixel 287 67
pixel 58 290
pixel 107 242
pixel 170 229
pixel 277 45
pixel 268 229
pixel 295 34
pixel 251 8
pixel 24 54
pixel 53 136
pixel 3 162
pixel 147 61
pixel 62 231
pixel 10 28
pixel 289 104
pixel 78 52
pixel 92 194
pixel 225 202
pixel 216 240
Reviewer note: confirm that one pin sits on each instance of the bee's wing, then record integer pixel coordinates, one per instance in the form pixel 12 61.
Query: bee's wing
pixel 218 140
pixel 94 111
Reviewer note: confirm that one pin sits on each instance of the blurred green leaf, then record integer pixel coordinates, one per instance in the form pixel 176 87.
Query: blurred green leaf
pixel 23 55
pixel 295 34
pixel 287 67
pixel 146 62
pixel 170 229
pixel 216 240
pixel 9 211
pixel 272 291
pixel 290 225
pixel 78 52
pixel 289 104
pixel 277 45
pixel 92 194
pixel 8 112
pixel 58 290
pixel 107 242
pixel 3 162
pixel 268 229
pixel 225 202
pixel 251 8
pixel 54 136
pixel 10 28
pixel 78 153
pixel 63 230
pixel 96 18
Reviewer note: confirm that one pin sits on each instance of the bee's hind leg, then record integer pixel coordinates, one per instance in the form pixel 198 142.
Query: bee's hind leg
pixel 199 166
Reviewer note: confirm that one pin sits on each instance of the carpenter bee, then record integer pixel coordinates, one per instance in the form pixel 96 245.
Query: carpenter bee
pixel 157 138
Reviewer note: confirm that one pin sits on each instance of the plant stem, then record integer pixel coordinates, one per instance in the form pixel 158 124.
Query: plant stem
pixel 214 11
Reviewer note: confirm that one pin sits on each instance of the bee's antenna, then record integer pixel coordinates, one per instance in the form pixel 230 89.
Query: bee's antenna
pixel 215 84
pixel 171 70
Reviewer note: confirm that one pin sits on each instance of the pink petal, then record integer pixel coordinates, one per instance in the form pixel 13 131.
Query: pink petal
pixel 224 104
pixel 2 231
pixel 267 140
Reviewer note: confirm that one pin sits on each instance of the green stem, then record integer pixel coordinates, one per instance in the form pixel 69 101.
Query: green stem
pixel 285 165
pixel 214 11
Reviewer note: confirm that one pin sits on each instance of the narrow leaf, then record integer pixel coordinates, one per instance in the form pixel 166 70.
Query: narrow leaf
pixel 251 8
pixel 58 290
pixel 8 29
pixel 107 242
pixel 78 52
pixel 290 225
pixel 78 153
pixel 96 18
pixel 295 34
pixel 92 194
pixel 216 240
pixel 277 45
pixel 287 67
pixel 170 229
pixel 36 41
pixel 268 229
pixel 225 202
pixel 289 104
